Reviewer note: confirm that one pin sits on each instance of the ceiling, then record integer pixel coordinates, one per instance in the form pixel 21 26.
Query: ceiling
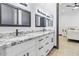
pixel 63 9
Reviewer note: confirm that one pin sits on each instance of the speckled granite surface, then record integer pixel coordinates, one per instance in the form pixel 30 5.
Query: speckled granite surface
pixel 67 48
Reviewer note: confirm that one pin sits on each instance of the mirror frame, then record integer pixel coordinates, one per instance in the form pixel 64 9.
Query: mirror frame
pixel 40 23
pixel 17 25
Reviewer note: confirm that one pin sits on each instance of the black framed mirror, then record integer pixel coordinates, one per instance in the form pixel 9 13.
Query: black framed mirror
pixel 9 16
pixel 50 23
pixel 24 18
pixel 40 21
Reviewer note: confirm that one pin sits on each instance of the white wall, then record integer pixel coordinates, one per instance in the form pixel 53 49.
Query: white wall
pixel 69 20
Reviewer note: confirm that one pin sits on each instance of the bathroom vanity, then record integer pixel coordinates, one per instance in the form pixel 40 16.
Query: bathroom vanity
pixel 33 44
pixel 26 18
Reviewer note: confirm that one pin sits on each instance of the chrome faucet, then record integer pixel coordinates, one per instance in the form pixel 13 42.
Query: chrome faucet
pixel 16 32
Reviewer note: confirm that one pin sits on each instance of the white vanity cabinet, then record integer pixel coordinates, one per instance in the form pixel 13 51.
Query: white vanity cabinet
pixel 14 50
pixel 48 43
pixel 37 46
pixel 2 51
pixel 32 51
pixel 40 48
pixel 51 37
pixel 29 52
pixel 45 44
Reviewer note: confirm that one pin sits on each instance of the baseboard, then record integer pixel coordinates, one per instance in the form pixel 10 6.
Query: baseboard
pixel 73 40
pixel 52 49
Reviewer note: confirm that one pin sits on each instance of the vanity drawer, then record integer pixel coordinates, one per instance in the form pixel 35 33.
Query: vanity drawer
pixel 47 36
pixel 40 49
pixel 48 48
pixel 40 39
pixel 20 47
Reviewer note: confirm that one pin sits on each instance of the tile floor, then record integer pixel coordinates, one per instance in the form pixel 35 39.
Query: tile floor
pixel 66 48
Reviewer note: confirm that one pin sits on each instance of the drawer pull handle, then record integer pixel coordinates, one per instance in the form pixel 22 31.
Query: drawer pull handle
pixel 47 51
pixel 40 47
pixel 47 37
pixel 27 54
pixel 52 39
pixel 40 39
pixel 47 43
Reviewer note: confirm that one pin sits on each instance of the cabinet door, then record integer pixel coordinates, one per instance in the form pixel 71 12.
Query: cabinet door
pixel 40 40
pixel 48 43
pixel 22 53
pixel 40 49
pixel 47 46
pixel 13 50
pixel 2 51
pixel 52 40
pixel 44 45
pixel 31 51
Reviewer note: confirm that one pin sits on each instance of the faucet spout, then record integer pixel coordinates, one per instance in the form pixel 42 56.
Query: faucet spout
pixel 16 32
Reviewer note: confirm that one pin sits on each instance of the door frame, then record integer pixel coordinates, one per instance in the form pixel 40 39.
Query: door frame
pixel 57 25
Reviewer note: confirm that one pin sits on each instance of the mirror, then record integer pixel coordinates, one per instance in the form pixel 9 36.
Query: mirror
pixel 8 15
pixel 24 18
pixel 50 23
pixel 14 16
pixel 40 21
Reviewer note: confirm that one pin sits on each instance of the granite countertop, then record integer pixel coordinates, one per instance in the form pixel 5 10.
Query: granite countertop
pixel 20 39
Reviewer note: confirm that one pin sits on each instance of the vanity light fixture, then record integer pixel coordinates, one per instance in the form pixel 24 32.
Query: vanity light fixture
pixel 41 12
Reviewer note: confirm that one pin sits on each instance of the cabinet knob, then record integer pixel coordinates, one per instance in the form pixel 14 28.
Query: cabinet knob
pixel 52 40
pixel 47 43
pixel 27 54
pixel 47 37
pixel 40 39
pixel 41 47
pixel 47 51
